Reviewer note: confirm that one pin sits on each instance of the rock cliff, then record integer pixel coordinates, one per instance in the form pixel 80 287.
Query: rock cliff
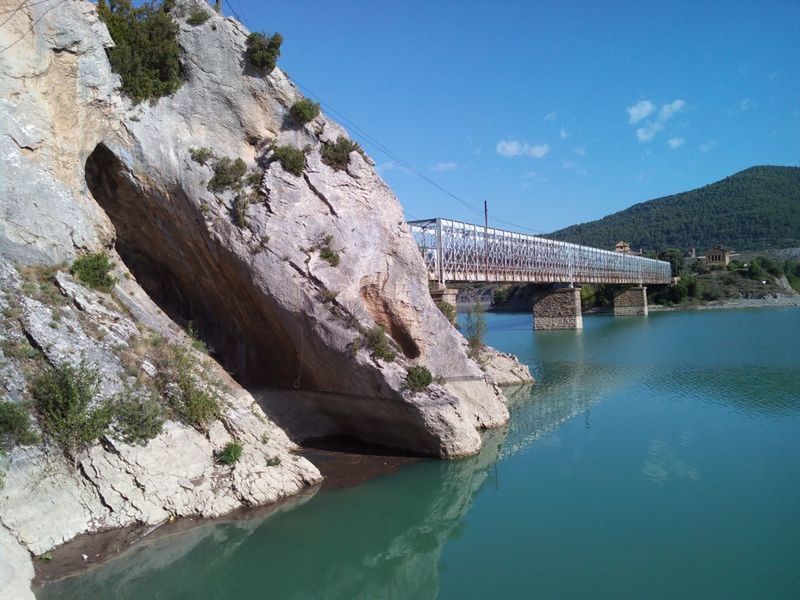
pixel 83 169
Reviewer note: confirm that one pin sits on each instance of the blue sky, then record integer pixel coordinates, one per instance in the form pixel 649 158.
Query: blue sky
pixel 556 112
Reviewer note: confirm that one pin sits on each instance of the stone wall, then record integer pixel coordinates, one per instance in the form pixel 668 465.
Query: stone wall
pixel 558 308
pixel 631 302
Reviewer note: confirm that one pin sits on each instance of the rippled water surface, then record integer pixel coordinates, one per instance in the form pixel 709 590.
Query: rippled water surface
pixel 655 458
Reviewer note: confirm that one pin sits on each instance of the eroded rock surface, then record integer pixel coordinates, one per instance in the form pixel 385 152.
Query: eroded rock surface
pixel 84 170
pixel 503 368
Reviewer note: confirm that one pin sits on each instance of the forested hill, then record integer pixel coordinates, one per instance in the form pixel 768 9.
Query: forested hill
pixel 755 209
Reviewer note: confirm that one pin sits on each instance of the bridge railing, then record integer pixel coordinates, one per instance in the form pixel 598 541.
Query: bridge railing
pixel 456 251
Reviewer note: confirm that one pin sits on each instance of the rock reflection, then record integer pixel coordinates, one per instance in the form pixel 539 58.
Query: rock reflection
pixel 378 540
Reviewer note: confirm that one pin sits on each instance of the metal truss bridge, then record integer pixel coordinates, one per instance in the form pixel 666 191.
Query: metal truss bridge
pixel 456 251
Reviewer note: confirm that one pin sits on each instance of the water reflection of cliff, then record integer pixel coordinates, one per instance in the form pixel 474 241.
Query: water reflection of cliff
pixel 382 539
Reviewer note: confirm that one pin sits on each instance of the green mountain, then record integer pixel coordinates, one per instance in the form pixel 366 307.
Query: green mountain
pixel 755 209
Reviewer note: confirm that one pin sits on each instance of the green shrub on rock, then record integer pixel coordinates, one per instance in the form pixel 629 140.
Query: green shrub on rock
pixel 93 270
pixel 263 51
pixel 418 378
pixel 375 339
pixel 292 159
pixel 15 426
pixel 193 399
pixel 146 54
pixel 198 16
pixel 337 155
pixel 448 310
pixel 304 111
pixel 201 155
pixel 65 400
pixel 228 173
pixel 140 416
pixel 230 454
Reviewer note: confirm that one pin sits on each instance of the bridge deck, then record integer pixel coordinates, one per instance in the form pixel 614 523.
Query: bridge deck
pixel 456 251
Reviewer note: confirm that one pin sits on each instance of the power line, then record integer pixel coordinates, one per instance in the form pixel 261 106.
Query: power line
pixel 23 5
pixel 363 134
pixel 15 42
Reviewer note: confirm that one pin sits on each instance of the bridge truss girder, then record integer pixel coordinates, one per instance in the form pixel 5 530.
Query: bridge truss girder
pixel 457 251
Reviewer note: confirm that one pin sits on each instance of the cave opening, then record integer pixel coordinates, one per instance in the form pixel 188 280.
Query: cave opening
pixel 162 238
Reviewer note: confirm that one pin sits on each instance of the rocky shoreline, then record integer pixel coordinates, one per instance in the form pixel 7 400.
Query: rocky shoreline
pixel 773 301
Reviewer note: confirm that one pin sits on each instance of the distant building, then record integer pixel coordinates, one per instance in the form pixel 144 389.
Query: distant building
pixel 718 256
pixel 625 248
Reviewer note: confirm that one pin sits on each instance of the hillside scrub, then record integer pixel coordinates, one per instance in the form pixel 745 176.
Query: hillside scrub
pixel 292 159
pixel 65 400
pixel 263 51
pixel 418 379
pixel 751 210
pixel 139 415
pixel 475 329
pixel 94 270
pixel 304 111
pixel 198 16
pixel 337 155
pixel 228 174
pixel 146 54
pixel 15 425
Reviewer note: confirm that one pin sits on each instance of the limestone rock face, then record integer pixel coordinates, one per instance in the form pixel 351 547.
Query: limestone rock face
pixel 45 500
pixel 503 368
pixel 82 169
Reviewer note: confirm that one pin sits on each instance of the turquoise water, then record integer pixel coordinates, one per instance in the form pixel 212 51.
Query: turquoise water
pixel 655 458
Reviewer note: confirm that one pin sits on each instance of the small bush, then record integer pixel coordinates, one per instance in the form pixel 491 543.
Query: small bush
pixel 140 417
pixel 263 51
pixel 375 339
pixel 337 155
pixel 254 178
pixel 63 398
pixel 93 270
pixel 327 253
pixel 475 329
pixel 193 400
pixel 230 454
pixel 239 212
pixel 418 378
pixel 292 159
pixel 198 16
pixel 201 155
pixel 448 310
pixel 146 54
pixel 20 348
pixel 15 426
pixel 228 173
pixel 304 111
pixel 273 461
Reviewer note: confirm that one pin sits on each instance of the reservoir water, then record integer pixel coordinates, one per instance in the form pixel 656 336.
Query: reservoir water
pixel 655 457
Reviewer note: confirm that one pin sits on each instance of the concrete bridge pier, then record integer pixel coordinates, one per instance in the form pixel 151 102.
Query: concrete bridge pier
pixel 558 308
pixel 446 294
pixel 631 302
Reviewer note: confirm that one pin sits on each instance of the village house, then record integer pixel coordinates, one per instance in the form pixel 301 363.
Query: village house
pixel 718 256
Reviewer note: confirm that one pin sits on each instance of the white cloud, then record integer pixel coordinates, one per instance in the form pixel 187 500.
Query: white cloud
pixel 551 116
pixel 386 167
pixel 529 174
pixel 580 151
pixel 675 142
pixel 645 108
pixel 640 110
pixel 648 132
pixel 512 148
pixel 563 134
pixel 670 109
pixel 444 166
pixel 568 164
pixel 708 146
